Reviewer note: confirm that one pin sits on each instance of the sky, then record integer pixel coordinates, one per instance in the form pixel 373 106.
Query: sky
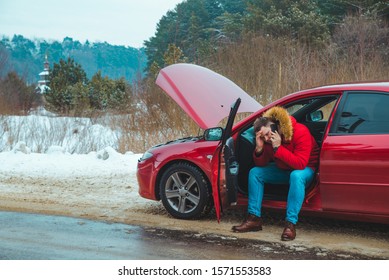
pixel 117 22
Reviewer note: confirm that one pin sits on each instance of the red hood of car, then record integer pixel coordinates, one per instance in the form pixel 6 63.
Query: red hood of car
pixel 203 94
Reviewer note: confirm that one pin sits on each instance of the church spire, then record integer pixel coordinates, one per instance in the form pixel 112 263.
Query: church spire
pixel 46 64
pixel 44 77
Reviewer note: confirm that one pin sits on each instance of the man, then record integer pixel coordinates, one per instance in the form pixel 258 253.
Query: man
pixel 288 154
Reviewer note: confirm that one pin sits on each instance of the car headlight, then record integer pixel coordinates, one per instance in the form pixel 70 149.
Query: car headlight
pixel 146 156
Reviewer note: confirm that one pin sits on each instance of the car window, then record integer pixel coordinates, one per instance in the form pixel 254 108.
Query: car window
pixel 365 113
pixel 327 110
pixel 303 108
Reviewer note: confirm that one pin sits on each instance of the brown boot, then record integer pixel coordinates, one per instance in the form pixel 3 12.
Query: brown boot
pixel 289 232
pixel 252 223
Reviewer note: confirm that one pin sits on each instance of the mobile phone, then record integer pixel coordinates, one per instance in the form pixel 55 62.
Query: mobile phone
pixel 273 127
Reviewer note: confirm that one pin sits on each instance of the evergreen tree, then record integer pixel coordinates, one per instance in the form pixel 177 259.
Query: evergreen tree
pixel 173 55
pixel 299 19
pixel 119 96
pixel 66 78
pixel 105 93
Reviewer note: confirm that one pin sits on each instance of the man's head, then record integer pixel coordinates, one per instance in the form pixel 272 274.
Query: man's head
pixel 281 117
pixel 265 126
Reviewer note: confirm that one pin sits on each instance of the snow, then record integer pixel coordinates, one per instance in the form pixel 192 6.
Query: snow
pixel 58 164
pixel 44 73
pixel 42 88
pixel 41 129
pixel 33 155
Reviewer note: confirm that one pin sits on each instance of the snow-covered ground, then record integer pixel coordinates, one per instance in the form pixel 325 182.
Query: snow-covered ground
pixel 41 129
pixel 42 145
pixel 103 177
pixel 57 163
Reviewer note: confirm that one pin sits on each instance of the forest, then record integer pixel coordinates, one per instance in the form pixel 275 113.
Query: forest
pixel 26 57
pixel 269 48
pixel 201 27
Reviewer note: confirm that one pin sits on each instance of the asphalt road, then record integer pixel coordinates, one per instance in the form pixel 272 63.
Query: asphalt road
pixel 42 237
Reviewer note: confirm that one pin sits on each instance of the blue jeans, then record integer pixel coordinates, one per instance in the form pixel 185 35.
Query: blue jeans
pixel 298 180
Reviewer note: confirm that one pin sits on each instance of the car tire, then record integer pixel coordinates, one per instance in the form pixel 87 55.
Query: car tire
pixel 185 192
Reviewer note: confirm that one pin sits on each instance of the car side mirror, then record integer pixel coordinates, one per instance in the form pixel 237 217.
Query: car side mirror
pixel 213 134
pixel 316 116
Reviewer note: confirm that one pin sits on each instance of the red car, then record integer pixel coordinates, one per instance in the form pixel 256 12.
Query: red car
pixel 350 122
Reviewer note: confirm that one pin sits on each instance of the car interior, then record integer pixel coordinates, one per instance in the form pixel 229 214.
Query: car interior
pixel 312 112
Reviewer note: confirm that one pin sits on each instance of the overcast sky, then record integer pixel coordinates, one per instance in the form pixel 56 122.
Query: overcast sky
pixel 118 22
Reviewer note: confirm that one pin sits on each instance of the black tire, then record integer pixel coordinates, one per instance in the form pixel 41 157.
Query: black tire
pixel 185 192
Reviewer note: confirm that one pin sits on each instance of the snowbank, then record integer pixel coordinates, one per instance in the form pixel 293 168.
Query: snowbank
pixel 74 150
pixel 58 163
pixel 41 130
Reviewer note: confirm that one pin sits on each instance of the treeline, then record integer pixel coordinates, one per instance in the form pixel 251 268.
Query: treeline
pixel 71 92
pixel 201 27
pixel 83 77
pixel 26 57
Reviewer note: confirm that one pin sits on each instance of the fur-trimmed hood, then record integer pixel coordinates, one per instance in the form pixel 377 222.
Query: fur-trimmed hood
pixel 282 117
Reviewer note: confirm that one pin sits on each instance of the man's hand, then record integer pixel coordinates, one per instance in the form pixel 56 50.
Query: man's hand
pixel 259 142
pixel 275 139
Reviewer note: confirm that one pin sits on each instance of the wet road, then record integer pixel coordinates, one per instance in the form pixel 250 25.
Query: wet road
pixel 29 236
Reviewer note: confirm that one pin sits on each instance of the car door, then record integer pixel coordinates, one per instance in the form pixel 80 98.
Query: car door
pixel 354 161
pixel 225 162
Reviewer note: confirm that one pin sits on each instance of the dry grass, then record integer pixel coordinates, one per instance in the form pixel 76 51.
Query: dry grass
pixel 271 68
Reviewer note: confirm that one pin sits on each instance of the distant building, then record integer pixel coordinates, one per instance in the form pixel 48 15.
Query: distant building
pixel 43 78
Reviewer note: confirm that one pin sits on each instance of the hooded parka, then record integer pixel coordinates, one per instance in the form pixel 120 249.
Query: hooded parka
pixel 298 147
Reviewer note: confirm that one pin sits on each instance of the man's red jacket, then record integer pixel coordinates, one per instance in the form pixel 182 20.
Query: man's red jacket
pixel 301 151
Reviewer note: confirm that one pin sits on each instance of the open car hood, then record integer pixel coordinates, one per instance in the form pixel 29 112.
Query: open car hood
pixel 203 94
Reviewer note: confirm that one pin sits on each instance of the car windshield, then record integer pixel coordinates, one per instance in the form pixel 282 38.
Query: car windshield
pixel 300 109
pixel 295 108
